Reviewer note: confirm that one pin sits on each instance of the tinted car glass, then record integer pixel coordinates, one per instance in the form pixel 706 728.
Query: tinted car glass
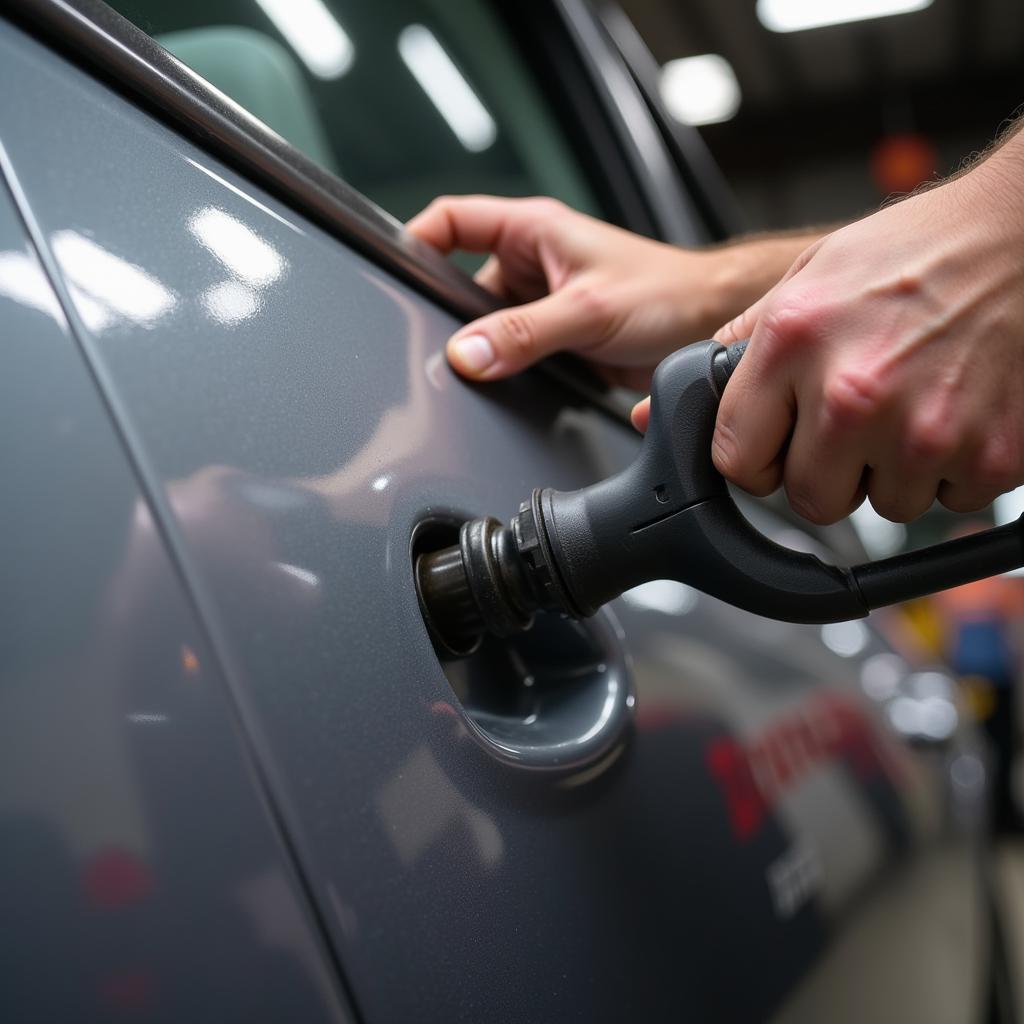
pixel 404 99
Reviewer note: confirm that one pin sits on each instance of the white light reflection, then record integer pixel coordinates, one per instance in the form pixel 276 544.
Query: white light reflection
pixel 380 483
pixel 105 287
pixel 244 195
pixel 247 256
pixel 23 280
pixel 666 596
pixel 847 639
pixel 443 83
pixel 881 674
pixel 700 90
pixel 298 573
pixel 230 302
pixel 313 33
pixel 797 15
pixel 607 709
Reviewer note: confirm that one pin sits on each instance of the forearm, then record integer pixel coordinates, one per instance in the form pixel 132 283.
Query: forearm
pixel 999 175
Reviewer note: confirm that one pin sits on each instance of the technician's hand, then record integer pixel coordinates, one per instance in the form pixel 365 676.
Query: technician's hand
pixel 621 301
pixel 890 359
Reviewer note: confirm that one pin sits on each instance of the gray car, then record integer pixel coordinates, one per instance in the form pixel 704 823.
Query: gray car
pixel 238 782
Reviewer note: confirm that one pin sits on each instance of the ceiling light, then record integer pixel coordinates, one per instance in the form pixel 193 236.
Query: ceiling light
pixel 796 15
pixel 313 33
pixel 700 90
pixel 442 81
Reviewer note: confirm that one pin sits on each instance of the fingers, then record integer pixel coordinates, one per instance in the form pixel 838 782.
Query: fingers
pixel 641 415
pixel 510 340
pixel 823 491
pixel 477 223
pixel 988 468
pixel 742 326
pixel 756 416
pixel 899 496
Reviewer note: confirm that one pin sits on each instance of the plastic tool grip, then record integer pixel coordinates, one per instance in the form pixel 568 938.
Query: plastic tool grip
pixel 669 515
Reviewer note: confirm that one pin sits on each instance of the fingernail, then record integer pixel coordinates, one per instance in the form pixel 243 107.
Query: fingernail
pixel 473 352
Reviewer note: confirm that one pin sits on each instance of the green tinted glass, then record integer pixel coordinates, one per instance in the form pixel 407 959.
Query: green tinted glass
pixel 404 99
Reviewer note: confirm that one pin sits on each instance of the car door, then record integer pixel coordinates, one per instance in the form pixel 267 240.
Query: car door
pixel 672 810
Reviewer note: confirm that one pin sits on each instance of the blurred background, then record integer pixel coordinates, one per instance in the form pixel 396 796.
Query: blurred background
pixel 818 124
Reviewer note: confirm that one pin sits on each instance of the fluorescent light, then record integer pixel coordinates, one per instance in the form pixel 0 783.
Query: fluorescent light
pixel 313 33
pixel 443 83
pixel 796 15
pixel 700 90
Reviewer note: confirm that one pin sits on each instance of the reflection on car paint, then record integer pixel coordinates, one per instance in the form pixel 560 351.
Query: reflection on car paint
pixel 794 878
pixel 251 260
pixel 418 804
pixel 23 281
pixel 753 773
pixel 106 289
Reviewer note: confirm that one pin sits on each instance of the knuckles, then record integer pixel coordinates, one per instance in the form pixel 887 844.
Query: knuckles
pixel 852 396
pixel 931 440
pixel 998 465
pixel 789 325
pixel 805 501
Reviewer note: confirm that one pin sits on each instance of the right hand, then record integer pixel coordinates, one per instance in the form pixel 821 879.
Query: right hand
pixel 621 301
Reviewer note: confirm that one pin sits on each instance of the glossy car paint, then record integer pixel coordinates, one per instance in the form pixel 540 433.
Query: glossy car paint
pixel 143 872
pixel 290 419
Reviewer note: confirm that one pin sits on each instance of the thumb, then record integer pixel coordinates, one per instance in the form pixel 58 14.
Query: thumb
pixel 510 340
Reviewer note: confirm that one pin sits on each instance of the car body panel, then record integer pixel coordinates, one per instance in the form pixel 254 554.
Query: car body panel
pixel 144 872
pixel 289 413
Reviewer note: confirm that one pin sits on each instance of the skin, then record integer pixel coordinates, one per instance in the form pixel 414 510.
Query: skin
pixel 886 358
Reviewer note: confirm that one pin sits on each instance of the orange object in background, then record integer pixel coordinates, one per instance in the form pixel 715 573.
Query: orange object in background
pixel 899 163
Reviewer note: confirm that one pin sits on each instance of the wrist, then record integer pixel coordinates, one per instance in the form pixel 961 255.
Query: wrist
pixel 742 273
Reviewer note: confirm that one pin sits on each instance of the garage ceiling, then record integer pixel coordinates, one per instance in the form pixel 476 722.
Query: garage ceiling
pixel 950 37
pixel 816 103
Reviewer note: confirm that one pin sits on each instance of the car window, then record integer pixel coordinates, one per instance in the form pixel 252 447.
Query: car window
pixel 404 99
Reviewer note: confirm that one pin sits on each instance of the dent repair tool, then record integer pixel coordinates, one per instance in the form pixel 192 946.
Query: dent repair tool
pixel 669 515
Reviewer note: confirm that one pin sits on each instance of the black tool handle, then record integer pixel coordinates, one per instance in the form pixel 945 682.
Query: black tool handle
pixel 670 516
